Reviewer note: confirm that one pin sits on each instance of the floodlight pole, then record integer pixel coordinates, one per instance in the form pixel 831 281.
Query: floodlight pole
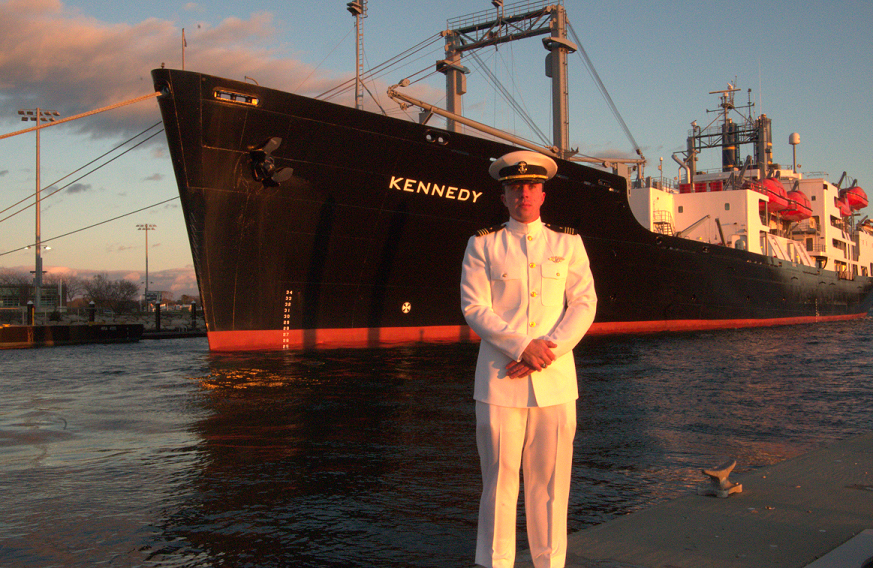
pixel 146 228
pixel 358 9
pixel 39 116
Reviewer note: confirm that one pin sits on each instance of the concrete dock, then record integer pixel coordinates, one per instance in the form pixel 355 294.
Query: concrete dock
pixel 815 511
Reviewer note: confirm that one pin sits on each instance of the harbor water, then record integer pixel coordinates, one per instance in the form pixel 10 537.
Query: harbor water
pixel 159 453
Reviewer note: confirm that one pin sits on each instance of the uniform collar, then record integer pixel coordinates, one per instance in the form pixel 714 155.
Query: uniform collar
pixel 532 228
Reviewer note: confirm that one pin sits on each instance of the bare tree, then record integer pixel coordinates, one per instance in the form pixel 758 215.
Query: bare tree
pixel 71 285
pixel 13 278
pixel 116 295
pixel 75 286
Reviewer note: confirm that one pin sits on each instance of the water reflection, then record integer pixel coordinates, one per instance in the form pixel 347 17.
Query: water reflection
pixel 340 458
pixel 161 454
pixel 653 411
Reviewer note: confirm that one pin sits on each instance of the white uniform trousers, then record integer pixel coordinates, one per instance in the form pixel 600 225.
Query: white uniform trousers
pixel 538 440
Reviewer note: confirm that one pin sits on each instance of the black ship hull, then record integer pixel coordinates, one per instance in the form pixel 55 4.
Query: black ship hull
pixel 362 244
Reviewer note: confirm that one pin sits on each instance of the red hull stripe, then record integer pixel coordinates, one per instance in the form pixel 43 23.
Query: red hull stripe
pixel 630 327
pixel 336 338
pixel 253 340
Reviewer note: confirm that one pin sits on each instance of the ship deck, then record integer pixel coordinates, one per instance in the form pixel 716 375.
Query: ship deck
pixel 810 511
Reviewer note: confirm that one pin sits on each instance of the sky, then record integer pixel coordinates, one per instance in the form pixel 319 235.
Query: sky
pixel 809 65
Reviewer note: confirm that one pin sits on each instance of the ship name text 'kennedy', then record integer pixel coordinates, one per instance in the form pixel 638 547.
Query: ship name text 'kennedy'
pixel 433 189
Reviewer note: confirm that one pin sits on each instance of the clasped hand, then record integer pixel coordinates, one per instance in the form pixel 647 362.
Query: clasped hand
pixel 536 356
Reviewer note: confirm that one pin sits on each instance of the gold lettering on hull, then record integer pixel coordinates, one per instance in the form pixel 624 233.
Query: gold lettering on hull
pixel 434 189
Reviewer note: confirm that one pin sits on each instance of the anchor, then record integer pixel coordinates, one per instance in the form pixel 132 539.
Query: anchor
pixel 719 485
pixel 264 168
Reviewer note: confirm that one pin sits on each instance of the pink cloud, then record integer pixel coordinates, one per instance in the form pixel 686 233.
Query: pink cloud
pixel 176 280
pixel 55 57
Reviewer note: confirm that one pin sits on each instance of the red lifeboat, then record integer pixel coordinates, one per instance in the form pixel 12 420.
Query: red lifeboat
pixel 776 195
pixel 855 197
pixel 844 208
pixel 799 207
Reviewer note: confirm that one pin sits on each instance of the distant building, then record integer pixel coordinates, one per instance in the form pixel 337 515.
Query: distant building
pixel 16 296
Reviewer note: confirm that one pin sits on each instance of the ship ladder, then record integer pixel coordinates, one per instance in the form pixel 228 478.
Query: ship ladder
pixel 663 222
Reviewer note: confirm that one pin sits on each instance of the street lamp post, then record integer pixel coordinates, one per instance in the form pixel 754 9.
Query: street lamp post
pixel 146 228
pixel 39 116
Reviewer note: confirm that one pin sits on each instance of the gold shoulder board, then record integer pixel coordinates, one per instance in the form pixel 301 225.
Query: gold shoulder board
pixel 557 229
pixel 489 230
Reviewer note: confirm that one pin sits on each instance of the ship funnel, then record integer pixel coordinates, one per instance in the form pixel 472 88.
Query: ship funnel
pixel 730 153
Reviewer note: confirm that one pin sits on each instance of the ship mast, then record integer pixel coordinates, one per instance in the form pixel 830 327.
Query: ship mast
pixel 729 136
pixel 483 29
pixel 477 31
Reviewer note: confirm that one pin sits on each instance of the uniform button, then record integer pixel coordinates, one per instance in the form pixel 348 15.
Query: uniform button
pixel 533 324
pixel 533 294
pixel 503 275
pixel 533 264
pixel 557 274
pixel 530 238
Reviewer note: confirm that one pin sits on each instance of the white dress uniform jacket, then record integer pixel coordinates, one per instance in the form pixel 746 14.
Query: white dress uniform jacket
pixel 519 283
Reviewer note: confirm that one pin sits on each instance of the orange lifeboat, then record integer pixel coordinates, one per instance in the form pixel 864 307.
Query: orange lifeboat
pixel 799 207
pixel 844 208
pixel 776 195
pixel 855 197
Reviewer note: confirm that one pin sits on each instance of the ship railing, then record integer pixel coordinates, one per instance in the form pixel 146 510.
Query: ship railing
pixel 666 184
pixel 663 222
pixel 484 17
pixel 816 175
pixel 839 223
pixel 806 226
pixel 817 249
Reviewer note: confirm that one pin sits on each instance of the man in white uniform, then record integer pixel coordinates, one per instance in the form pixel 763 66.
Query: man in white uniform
pixel 527 291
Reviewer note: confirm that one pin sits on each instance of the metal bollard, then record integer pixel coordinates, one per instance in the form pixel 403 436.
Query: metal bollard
pixel 92 311
pixel 193 315
pixel 719 485
pixel 30 313
pixel 157 317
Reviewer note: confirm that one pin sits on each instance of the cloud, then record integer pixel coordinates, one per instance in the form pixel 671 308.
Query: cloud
pixel 154 177
pixel 176 280
pixel 114 248
pixel 3 172
pixel 79 188
pixel 54 57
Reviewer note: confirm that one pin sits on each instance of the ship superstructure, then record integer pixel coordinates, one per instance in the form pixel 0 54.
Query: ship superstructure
pixel 755 204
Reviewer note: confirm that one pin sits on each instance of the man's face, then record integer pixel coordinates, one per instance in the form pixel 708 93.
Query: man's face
pixel 523 200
